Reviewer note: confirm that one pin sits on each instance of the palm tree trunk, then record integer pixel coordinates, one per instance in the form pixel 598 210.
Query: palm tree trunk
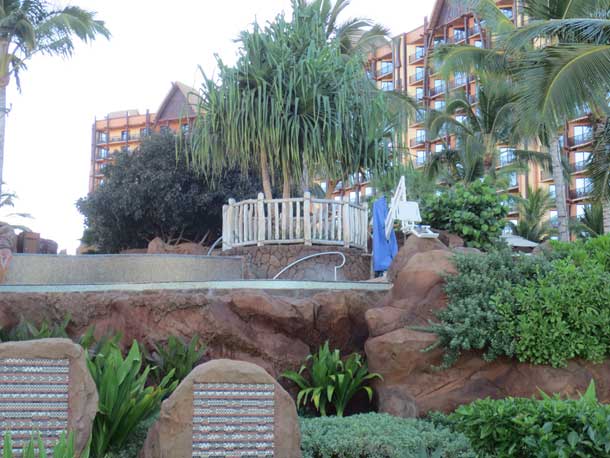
pixel 286 185
pixel 560 190
pixel 606 213
pixel 2 130
pixel 266 179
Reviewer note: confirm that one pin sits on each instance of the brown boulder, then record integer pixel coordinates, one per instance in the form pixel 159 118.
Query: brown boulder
pixel 179 428
pixel 81 390
pixel 450 240
pixel 413 383
pixel 413 245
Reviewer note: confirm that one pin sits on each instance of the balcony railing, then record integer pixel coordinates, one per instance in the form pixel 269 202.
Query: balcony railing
pixel 417 56
pixel 416 78
pixel 457 38
pixel 457 83
pixel 385 69
pixel 579 166
pixel 475 30
pixel 437 90
pixel 420 116
pixel 507 160
pixel 580 193
pixel 417 141
pixel 546 175
pixel 472 98
pixel 581 139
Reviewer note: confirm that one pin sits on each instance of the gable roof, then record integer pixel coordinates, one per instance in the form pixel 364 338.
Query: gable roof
pixel 445 11
pixel 179 103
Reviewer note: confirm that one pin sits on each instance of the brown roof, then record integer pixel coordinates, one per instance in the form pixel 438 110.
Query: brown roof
pixel 180 102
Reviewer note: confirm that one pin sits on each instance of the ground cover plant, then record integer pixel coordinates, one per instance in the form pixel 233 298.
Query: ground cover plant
pixel 175 355
pixel 332 382
pixel 380 436
pixel 35 448
pixel 547 428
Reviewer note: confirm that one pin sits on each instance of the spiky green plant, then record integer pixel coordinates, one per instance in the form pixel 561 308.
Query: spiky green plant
pixel 332 381
pixel 26 330
pixel 35 448
pixel 532 223
pixel 177 355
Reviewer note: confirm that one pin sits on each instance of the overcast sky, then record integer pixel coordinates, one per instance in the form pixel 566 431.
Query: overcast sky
pixel 153 43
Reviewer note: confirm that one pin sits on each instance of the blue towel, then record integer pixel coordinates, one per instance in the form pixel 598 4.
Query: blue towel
pixel 383 250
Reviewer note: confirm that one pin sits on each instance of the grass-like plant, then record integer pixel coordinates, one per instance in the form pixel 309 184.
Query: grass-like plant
pixel 177 355
pixel 35 448
pixel 124 398
pixel 26 330
pixel 332 381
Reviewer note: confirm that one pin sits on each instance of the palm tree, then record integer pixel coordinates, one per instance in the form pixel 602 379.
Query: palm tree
pixel 599 172
pixel 532 211
pixel 591 223
pixel 294 104
pixel 30 27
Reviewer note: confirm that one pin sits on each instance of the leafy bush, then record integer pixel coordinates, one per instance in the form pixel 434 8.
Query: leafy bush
pixel 27 330
pixel 134 443
pixel 380 436
pixel 333 381
pixel 176 355
pixel 124 399
pixel 474 212
pixel 471 321
pixel 35 448
pixel 595 249
pixel 561 315
pixel 547 428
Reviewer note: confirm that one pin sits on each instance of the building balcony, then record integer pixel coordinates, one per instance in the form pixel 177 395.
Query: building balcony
pixel 385 69
pixel 417 141
pixel 506 160
pixel 579 140
pixel 456 39
pixel 580 193
pixel 417 57
pixel 578 167
pixel 456 84
pixel 546 175
pixel 472 99
pixel 416 78
pixel 437 90
pixel 420 117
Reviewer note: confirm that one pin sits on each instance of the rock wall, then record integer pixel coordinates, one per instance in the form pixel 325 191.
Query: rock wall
pixel 275 330
pixel 267 261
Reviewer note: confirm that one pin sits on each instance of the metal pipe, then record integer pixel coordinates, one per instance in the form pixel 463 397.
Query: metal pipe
pixel 218 240
pixel 292 264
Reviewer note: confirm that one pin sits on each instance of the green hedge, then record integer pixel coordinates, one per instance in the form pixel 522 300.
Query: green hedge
pixel 527 428
pixel 380 436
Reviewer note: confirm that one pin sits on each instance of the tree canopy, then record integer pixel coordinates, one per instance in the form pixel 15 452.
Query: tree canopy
pixel 148 193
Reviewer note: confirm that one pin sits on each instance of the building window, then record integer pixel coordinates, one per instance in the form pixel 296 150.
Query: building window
pixel 459 35
pixel 583 187
pixel 507 156
pixel 420 158
pixel 102 153
pixel 185 128
pixel 552 191
pixel 439 105
pixel 582 134
pixel 553 218
pixel 439 148
pixel 144 132
pixel 460 79
pixel 580 210
pixel 164 130
pixel 581 160
pixel 368 191
pixel 387 86
pixel 508 12
pixel 478 44
pixel 438 41
pixel 419 73
pixel 461 119
pixel 352 196
pixel 125 149
pixel 513 180
pixel 420 135
pixel 102 137
pixel 420 52
pixel 439 86
pixel 419 94
pixel 386 67
pixel 561 141
pixel 124 135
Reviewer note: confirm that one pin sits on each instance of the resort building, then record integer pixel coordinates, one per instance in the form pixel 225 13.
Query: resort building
pixel 406 65
pixel 124 130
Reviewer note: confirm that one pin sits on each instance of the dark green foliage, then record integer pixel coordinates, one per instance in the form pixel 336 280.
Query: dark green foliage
pixel 332 381
pixel 527 428
pixel 175 355
pixel 474 212
pixel 152 193
pixel 35 448
pixel 561 315
pixel 471 321
pixel 27 330
pixel 596 249
pixel 379 436
pixel 135 441
pixel 124 399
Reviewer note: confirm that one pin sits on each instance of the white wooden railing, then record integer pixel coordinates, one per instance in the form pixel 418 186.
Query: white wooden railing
pixel 303 220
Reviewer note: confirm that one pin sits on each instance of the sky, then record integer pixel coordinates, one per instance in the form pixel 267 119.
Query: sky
pixel 48 137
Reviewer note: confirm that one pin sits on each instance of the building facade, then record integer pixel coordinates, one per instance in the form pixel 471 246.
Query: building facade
pixel 406 65
pixel 124 130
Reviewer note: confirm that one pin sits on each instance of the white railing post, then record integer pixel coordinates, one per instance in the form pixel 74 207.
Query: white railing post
pixel 364 221
pixel 307 218
pixel 260 210
pixel 231 223
pixel 346 222
pixel 225 228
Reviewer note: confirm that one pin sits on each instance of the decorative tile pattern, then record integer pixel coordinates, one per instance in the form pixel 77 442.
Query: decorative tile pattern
pixel 33 399
pixel 233 420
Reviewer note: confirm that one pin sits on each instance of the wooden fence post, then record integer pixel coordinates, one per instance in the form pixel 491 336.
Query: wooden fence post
pixel 260 210
pixel 346 222
pixel 307 218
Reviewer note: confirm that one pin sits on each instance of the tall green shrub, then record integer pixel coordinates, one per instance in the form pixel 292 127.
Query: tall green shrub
pixel 527 428
pixel 124 398
pixel 474 212
pixel 561 315
pixel 380 436
pixel 471 321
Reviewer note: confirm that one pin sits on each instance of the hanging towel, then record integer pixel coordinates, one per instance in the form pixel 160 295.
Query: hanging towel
pixel 383 250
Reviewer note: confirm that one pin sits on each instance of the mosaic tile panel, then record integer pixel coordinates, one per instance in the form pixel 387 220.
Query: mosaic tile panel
pixel 233 420
pixel 33 399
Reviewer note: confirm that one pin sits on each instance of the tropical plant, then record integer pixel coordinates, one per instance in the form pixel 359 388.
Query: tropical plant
pixel 418 184
pixel 30 27
pixel 375 435
pixel 333 381
pixel 525 428
pixel 591 223
pixel 26 330
pixel 475 212
pixel 35 448
pixel 532 209
pixel 152 193
pixel 175 355
pixel 598 170
pixel 124 398
pixel 294 105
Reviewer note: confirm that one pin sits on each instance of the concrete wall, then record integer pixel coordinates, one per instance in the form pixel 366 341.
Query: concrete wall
pixel 99 269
